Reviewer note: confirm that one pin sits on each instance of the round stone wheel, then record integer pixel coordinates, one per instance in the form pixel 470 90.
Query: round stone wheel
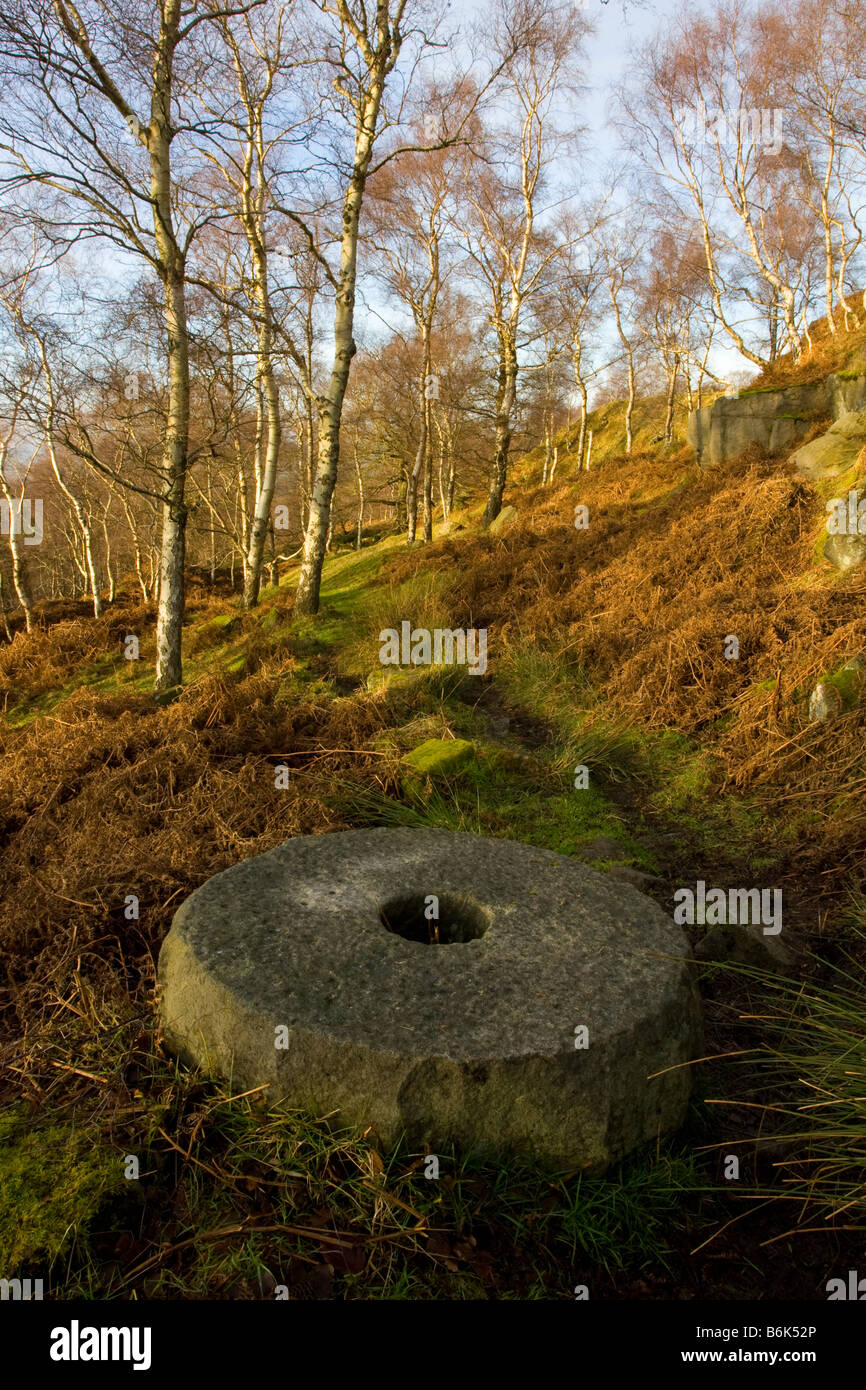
pixel 546 1009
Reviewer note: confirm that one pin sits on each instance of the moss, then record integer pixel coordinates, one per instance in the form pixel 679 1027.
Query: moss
pixel 838 486
pixel 820 543
pixel 682 772
pixel 52 1181
pixel 223 622
pixel 563 823
pixel 237 665
pixel 505 793
pixel 849 683
pixel 385 678
pixel 759 390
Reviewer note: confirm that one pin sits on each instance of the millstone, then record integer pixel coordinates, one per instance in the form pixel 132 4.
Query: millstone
pixel 546 1010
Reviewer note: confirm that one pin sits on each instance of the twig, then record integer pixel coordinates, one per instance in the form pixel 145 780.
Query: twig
pixel 241 1228
pixel 103 1081
pixel 313 752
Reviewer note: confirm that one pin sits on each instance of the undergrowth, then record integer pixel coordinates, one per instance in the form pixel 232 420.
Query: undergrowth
pixel 606 655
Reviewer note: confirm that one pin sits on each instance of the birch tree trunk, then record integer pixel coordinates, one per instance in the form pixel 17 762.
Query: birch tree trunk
pixel 381 61
pixel 452 467
pixel 78 508
pixel 614 295
pixel 20 580
pixel 506 396
pixel 421 453
pixel 19 574
pixel 580 382
pixel 84 526
pixel 267 481
pixel 254 203
pixel 174 25
pixel 672 387
pixel 360 526
pixel 169 622
pixel 428 481
pixel 136 549
pixel 112 587
pixel 172 272
pixel 443 495
pixel 4 611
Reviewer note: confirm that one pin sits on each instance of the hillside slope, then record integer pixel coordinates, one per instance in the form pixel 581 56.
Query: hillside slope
pixel 606 649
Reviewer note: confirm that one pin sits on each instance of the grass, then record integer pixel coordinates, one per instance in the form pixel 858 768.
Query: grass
pixel 626 1219
pixel 504 794
pixel 234 1200
pixel 810 1056
pixel 258 1197
pixel 554 686
pixel 607 423
pixel 237 1198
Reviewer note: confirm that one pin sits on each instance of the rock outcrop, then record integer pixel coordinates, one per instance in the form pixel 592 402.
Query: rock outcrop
pixel 774 420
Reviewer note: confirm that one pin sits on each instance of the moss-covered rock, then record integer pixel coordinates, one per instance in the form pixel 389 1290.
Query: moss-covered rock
pixel 835 452
pixel 440 757
pixel 849 680
pixel 223 623
pixel 386 678
pixel 825 703
pixel 167 697
pixel 52 1181
pixel 844 552
pixel 506 518
pixel 237 665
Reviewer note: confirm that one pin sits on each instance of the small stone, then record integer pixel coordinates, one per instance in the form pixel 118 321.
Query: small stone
pixel 638 878
pixel 386 678
pixel 602 847
pixel 845 552
pixel 747 945
pixel 440 757
pixel 223 623
pixel 825 703
pixel 167 697
pixel 506 518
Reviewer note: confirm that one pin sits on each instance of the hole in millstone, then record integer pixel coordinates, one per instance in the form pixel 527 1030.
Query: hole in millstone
pixel 413 916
